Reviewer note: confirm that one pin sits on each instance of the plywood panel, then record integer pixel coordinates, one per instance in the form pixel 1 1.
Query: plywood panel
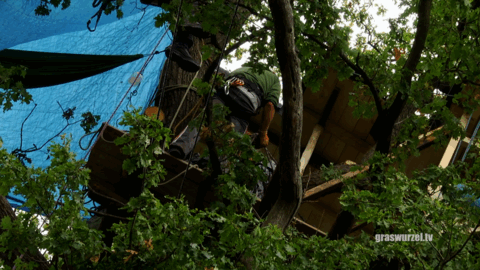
pixel 318 214
pixel 327 222
pixel 331 202
pixel 347 121
pixel 359 158
pixel 345 136
pixel 340 104
pixel 317 101
pixel 363 126
pixel 424 160
pixel 349 153
pixel 304 211
pixel 334 149
pixel 323 142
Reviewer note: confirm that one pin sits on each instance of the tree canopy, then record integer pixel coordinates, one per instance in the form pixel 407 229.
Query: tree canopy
pixel 302 39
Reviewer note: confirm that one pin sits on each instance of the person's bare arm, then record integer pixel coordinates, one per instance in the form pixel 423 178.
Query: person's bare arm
pixel 267 117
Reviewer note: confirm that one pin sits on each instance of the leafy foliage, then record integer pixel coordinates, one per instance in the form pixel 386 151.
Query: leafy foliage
pixel 10 92
pixel 174 236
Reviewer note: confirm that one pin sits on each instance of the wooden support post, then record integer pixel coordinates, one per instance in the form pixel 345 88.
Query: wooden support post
pixel 452 145
pixel 317 130
pixel 312 142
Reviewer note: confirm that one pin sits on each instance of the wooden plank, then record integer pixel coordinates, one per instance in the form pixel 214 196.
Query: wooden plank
pixel 106 164
pixel 307 228
pixel 448 154
pixel 312 142
pixel 106 161
pixel 330 186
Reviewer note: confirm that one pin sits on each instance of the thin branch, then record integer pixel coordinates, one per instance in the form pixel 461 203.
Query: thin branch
pixel 462 247
pixel 104 196
pixel 374 47
pixel 357 69
pixel 21 129
pixel 255 12
pixel 106 215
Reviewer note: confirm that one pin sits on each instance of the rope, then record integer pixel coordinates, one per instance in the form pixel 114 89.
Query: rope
pixel 181 103
pixel 209 95
pixel 124 96
pixel 90 142
pixel 195 108
pixel 178 175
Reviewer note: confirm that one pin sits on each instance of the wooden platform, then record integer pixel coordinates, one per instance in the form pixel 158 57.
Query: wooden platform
pixel 107 178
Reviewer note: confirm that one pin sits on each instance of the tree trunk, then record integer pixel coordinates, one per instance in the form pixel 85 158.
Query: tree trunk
pixel 289 178
pixel 7 211
pixel 172 75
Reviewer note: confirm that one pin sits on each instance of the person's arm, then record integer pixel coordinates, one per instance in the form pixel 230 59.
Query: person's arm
pixel 267 117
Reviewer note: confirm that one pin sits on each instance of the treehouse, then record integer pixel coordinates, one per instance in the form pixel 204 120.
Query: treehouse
pixel 331 134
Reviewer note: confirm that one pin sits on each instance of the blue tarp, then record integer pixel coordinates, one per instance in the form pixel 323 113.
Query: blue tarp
pixel 19 24
pixel 475 203
pixel 100 94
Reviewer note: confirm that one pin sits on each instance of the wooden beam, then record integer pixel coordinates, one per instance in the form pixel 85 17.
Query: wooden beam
pixel 453 144
pixel 317 130
pixel 307 228
pixel 312 142
pixel 330 186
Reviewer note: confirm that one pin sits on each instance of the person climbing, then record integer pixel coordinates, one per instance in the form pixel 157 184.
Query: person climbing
pixel 244 93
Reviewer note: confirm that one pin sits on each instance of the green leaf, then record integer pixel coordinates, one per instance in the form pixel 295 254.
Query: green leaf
pixel 6 223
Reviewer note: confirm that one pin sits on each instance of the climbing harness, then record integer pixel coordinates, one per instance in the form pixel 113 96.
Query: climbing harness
pixel 233 81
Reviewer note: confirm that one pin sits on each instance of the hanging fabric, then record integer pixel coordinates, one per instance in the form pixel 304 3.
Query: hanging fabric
pixel 49 69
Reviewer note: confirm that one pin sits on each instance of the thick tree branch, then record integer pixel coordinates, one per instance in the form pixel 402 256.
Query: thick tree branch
pixel 423 25
pixel 383 126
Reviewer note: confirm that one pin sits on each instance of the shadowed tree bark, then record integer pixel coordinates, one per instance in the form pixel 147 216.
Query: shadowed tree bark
pixel 288 170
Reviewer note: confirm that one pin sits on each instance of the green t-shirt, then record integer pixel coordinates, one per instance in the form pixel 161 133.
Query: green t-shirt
pixel 267 81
